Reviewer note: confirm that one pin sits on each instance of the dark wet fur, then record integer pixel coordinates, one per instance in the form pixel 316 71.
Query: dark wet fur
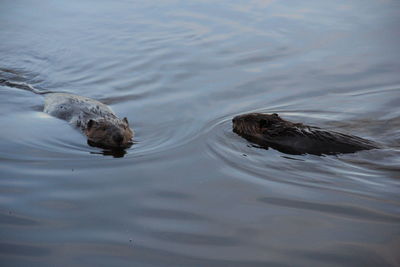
pixel 109 134
pixel 270 130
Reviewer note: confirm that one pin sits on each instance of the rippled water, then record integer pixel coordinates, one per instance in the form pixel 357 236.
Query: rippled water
pixel 190 192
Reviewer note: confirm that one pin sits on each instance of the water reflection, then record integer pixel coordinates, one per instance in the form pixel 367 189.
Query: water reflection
pixel 115 153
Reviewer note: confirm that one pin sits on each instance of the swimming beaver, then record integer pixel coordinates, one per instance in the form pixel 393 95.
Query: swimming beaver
pixel 96 120
pixel 270 130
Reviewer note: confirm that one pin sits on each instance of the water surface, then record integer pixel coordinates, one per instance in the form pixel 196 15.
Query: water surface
pixel 190 192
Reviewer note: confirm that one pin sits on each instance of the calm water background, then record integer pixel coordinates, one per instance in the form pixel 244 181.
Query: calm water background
pixel 191 192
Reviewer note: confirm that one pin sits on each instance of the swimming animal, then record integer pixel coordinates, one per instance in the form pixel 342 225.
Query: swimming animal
pixel 270 130
pixel 96 120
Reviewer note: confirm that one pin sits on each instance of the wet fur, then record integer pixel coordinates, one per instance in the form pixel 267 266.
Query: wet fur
pixel 270 130
pixel 96 120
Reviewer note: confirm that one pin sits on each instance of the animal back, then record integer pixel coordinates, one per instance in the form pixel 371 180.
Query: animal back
pixel 71 107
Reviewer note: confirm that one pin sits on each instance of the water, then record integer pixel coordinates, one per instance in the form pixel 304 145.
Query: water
pixel 191 192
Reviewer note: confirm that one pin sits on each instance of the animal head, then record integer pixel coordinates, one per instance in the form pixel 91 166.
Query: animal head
pixel 253 124
pixel 109 133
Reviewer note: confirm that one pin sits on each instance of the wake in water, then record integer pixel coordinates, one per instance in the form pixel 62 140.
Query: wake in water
pixel 23 86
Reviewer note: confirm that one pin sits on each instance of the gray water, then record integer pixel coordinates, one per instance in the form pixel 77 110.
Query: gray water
pixel 190 192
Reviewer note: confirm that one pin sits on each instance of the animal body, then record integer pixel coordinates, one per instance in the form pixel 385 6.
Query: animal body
pixel 96 120
pixel 270 130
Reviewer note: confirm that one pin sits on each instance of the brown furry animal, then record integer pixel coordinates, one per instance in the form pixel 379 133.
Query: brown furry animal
pixel 107 133
pixel 96 120
pixel 270 130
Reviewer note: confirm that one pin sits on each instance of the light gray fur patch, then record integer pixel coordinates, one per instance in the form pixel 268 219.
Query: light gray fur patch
pixel 77 110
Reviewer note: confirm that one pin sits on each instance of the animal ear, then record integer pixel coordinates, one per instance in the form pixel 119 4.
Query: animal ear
pixel 90 124
pixel 276 115
pixel 125 119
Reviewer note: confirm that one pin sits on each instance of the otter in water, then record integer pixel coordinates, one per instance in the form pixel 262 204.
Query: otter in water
pixel 270 130
pixel 96 120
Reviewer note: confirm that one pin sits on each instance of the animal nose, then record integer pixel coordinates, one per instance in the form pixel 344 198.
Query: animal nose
pixel 118 138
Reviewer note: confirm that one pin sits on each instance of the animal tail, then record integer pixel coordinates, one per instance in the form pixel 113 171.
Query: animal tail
pixel 23 86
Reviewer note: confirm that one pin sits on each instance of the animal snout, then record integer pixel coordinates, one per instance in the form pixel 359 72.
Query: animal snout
pixel 118 138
